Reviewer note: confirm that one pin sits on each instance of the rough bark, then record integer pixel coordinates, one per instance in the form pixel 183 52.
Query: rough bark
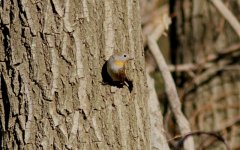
pixel 51 93
pixel 212 99
pixel 158 134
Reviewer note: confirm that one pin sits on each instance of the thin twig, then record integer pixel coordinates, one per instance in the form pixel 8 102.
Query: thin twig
pixel 211 59
pixel 189 67
pixel 229 123
pixel 228 15
pixel 206 76
pixel 193 67
pixel 170 87
pixel 197 133
pixel 207 108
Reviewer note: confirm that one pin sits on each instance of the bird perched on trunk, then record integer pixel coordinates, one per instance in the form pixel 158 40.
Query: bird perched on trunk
pixel 116 67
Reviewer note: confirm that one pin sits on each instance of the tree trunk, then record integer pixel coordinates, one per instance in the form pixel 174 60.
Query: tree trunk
pixel 51 58
pixel 211 94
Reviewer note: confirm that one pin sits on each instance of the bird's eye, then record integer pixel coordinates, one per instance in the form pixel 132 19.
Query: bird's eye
pixel 125 55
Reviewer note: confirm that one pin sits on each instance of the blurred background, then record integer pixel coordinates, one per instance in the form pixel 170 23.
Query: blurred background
pixel 202 49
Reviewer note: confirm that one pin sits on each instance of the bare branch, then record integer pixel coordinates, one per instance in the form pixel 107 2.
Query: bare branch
pixel 227 14
pixel 170 87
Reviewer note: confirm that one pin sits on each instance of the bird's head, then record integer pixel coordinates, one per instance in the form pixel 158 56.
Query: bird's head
pixel 121 59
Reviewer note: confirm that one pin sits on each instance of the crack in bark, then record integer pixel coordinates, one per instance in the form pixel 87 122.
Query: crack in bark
pixel 6 102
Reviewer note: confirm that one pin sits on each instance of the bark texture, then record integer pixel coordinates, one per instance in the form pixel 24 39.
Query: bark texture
pixel 51 57
pixel 211 95
pixel 158 134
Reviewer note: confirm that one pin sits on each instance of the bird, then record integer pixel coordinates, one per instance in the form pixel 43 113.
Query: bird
pixel 116 66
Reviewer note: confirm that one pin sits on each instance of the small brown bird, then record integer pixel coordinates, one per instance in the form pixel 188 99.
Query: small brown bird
pixel 116 66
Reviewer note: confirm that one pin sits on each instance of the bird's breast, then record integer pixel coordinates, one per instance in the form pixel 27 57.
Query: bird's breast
pixel 119 63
